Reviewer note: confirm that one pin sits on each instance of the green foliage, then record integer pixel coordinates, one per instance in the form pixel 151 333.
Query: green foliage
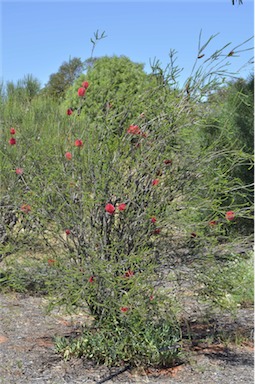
pixel 121 91
pixel 27 276
pixel 229 284
pixel 230 126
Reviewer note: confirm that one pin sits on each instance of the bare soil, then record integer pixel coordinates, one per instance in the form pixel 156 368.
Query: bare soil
pixel 27 353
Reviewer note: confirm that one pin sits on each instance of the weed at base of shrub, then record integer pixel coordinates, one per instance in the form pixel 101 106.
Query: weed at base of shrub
pixel 154 343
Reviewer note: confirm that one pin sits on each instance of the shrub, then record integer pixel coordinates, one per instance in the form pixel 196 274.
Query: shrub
pixel 114 193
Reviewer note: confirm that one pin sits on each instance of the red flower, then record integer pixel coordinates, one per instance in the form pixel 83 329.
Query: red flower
pixel 157 231
pixel 68 232
pixel 122 207
pixel 91 279
pixel 151 297
pixel 213 222
pixel 81 91
pixel 69 111
pixel 153 219
pixel 85 84
pixel 230 215
pixel 109 208
pixel 129 273
pixel 155 182
pixel 78 143
pixel 68 155
pixel 12 131
pixel 12 141
pixel 19 171
pixel 25 208
pixel 51 261
pixel 134 130
pixel 124 309
pixel 168 162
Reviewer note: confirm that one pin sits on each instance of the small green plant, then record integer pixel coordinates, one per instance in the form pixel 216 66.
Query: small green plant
pixel 135 341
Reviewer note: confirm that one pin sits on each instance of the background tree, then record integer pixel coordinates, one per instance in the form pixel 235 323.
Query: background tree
pixel 60 81
pixel 25 89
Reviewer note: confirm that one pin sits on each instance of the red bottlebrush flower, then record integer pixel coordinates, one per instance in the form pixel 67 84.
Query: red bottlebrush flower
pixel 12 141
pixel 122 207
pixel 26 208
pixel 155 182
pixel 230 215
pixel 213 222
pixel 193 234
pixel 78 143
pixel 81 91
pixel 153 219
pixel 19 171
pixel 157 231
pixel 51 261
pixel 124 309
pixel 12 131
pixel 134 130
pixel 69 111
pixel 168 162
pixel 129 273
pixel 109 208
pixel 68 155
pixel 85 84
pixel 68 232
pixel 91 279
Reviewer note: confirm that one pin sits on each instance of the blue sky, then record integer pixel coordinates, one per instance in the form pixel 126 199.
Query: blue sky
pixel 37 36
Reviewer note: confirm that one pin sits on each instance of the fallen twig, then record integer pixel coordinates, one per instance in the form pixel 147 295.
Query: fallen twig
pixel 113 375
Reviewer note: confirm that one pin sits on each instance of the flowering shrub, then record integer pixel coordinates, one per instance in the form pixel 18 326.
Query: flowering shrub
pixel 139 186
